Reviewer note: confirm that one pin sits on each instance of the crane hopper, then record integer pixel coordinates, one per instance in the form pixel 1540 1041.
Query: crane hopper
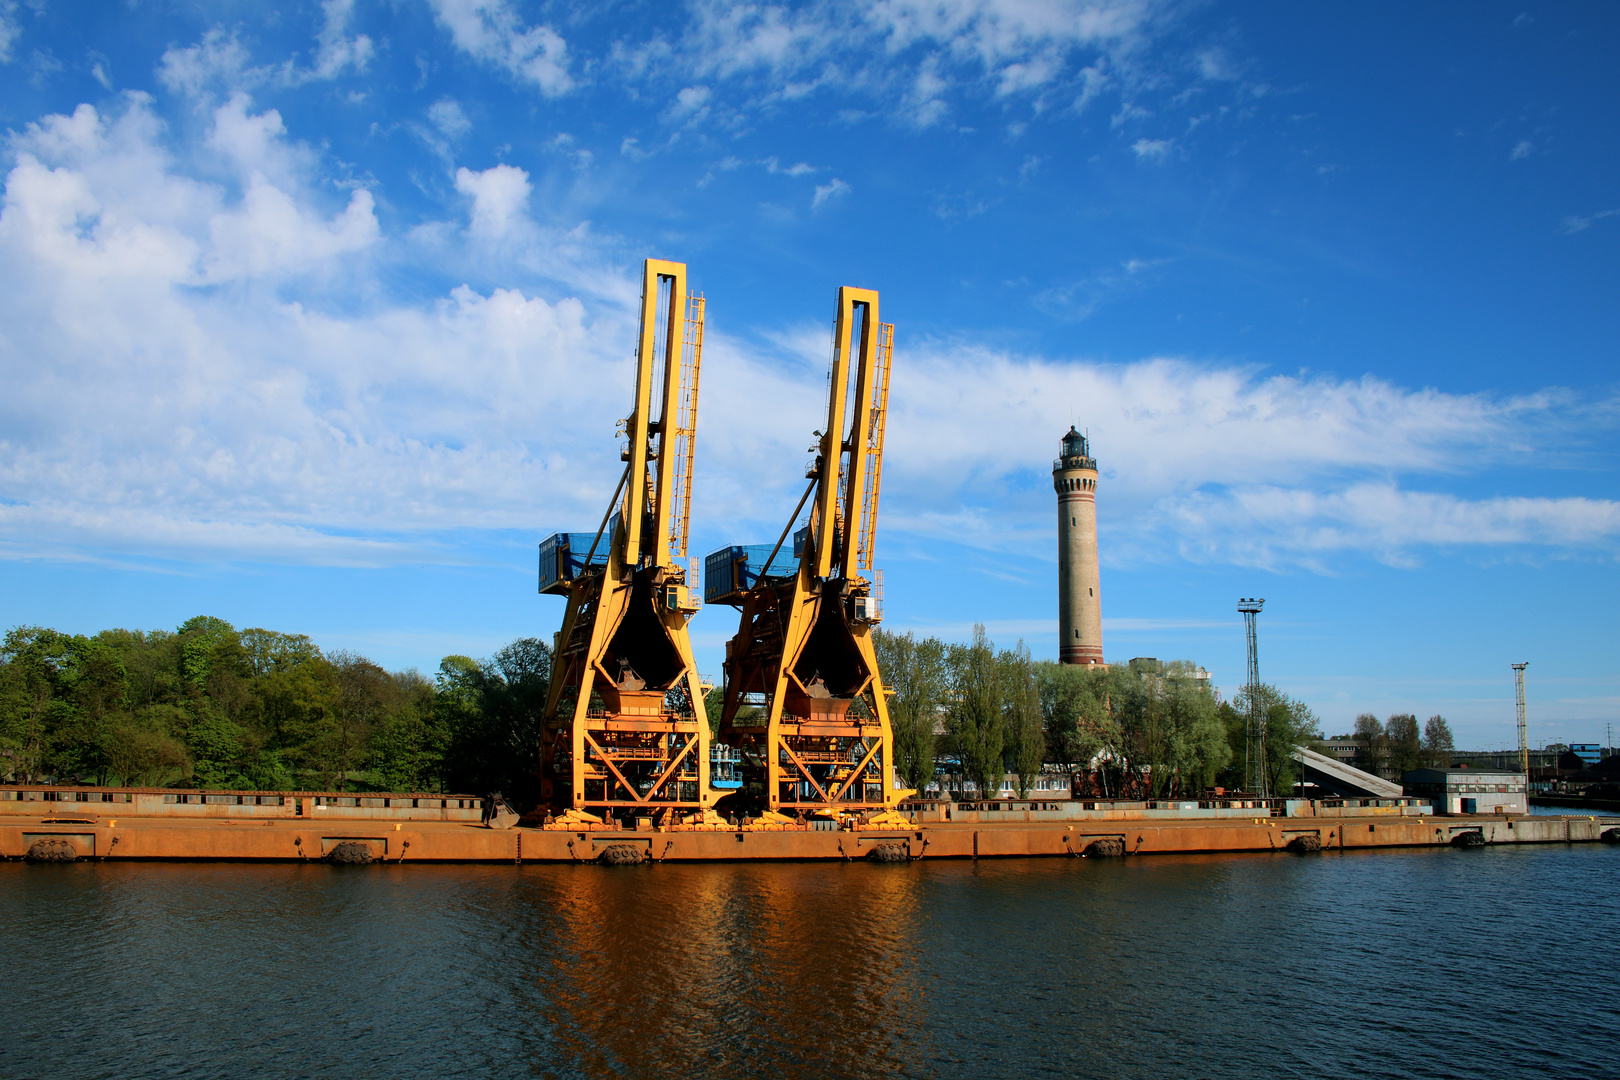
pixel 804 699
pixel 624 731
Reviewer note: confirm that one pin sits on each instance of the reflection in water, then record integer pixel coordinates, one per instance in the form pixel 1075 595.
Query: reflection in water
pixel 1403 963
pixel 795 970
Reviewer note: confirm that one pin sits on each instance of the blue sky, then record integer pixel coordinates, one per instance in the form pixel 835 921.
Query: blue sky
pixel 318 316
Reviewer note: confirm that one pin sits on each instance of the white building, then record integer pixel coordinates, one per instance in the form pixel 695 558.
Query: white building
pixel 1470 791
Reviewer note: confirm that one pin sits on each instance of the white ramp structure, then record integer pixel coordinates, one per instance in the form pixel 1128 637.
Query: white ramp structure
pixel 1333 775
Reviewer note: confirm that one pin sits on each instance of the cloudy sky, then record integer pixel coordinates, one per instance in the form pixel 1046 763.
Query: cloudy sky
pixel 318 316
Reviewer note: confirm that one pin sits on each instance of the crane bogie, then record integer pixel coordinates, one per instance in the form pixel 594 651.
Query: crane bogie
pixel 625 731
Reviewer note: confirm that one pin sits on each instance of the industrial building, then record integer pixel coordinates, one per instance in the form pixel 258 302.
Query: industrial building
pixel 1470 791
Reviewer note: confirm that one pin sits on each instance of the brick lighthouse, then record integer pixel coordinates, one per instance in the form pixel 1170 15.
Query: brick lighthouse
pixel 1074 476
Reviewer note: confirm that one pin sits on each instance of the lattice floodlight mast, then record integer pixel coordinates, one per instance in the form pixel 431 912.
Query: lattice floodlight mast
pixel 1518 696
pixel 1255 755
pixel 625 730
pixel 804 699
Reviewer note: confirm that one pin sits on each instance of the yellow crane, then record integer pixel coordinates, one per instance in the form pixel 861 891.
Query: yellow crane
pixel 804 700
pixel 625 731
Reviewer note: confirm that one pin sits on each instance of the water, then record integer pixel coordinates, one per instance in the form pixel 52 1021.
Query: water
pixel 1419 963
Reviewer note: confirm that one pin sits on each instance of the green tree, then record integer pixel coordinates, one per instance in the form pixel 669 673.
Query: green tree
pixel 1199 748
pixel 1025 738
pixel 1074 708
pixel 143 757
pixel 366 694
pixel 1405 744
pixel 1437 746
pixel 975 722
pixel 269 650
pixel 1289 723
pixel 407 746
pixel 490 713
pixel 515 702
pixel 300 718
pixel 32 661
pixel 1372 746
pixel 220 750
pixel 1141 752
pixel 914 674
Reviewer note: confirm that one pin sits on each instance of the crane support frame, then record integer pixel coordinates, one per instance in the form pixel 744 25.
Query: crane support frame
pixel 804 699
pixel 625 731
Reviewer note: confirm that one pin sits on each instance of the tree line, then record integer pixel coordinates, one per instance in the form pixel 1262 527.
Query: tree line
pixel 1393 747
pixel 972 712
pixel 210 706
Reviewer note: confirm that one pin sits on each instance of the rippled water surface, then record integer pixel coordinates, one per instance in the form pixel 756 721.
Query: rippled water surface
pixel 1495 962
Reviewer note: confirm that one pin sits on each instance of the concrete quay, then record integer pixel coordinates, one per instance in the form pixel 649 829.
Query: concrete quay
pixel 284 839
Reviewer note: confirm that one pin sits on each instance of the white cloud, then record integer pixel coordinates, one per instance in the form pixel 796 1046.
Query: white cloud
pixel 222 381
pixel 999 31
pixel 1093 80
pixel 255 143
pixel 925 104
pixel 1268 525
pixel 449 119
pixel 221 64
pixel 271 233
pixel 726 39
pixel 219 60
pixel 1027 74
pixel 491 31
pixel 1218 463
pixel 1215 63
pixel 10 29
pixel 690 105
pixel 230 422
pixel 775 167
pixel 1081 298
pixel 1151 149
pixel 1522 149
pixel 825 192
pixel 914 53
pixel 336 52
pixel 1575 223
pixel 500 198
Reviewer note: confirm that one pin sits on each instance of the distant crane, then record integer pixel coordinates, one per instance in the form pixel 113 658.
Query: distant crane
pixel 804 700
pixel 625 730
pixel 1255 756
pixel 1518 694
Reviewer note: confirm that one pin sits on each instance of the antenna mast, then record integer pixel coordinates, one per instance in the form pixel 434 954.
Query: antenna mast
pixel 1256 753
pixel 1518 694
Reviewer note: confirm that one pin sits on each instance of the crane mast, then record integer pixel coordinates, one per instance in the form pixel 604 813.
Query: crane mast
pixel 804 700
pixel 624 731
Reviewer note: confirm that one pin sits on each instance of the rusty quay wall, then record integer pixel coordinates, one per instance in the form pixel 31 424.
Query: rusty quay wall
pixel 240 837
